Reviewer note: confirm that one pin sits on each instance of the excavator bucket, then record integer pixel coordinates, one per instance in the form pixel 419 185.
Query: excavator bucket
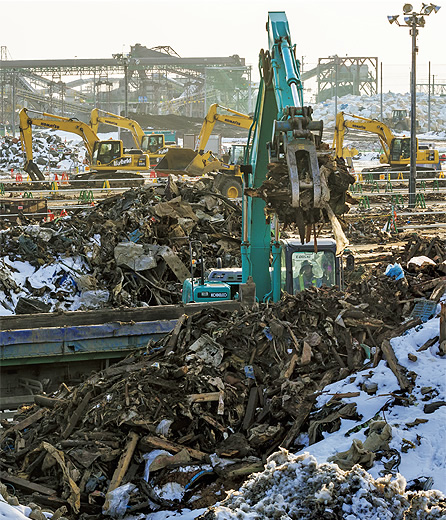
pixel 34 172
pixel 185 161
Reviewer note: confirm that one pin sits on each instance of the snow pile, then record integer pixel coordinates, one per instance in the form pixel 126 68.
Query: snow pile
pixel 370 107
pixel 297 487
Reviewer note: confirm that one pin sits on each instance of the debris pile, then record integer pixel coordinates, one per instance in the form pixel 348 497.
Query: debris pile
pixel 128 250
pixel 368 231
pixel 197 411
pixel 49 150
pixel 418 271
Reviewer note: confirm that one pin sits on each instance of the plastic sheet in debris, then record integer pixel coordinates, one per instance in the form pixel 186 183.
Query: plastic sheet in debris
pixel 394 271
pixel 118 500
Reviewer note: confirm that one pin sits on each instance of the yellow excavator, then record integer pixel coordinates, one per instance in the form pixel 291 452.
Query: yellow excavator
pixel 107 158
pixel 396 150
pixel 151 144
pixel 185 161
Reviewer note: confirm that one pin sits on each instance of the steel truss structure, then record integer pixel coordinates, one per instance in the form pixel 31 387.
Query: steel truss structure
pixel 148 81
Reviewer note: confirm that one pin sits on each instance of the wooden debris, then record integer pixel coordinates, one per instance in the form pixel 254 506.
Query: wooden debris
pixel 26 484
pixel 429 343
pixel 253 392
pixel 204 398
pixel 28 421
pixel 151 442
pixel 76 415
pixel 122 468
pixel 396 368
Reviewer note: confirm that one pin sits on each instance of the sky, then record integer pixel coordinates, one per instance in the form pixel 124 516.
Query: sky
pixel 58 29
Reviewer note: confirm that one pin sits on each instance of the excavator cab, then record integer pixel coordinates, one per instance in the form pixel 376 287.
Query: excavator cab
pixel 302 266
pixel 400 149
pixel 153 143
pixel 105 152
pixel 237 154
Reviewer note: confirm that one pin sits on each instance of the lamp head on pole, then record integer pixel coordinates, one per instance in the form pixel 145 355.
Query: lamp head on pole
pixel 393 18
pixel 427 9
pixel 407 8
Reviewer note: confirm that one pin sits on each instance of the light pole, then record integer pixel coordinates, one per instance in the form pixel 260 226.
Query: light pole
pixel 413 20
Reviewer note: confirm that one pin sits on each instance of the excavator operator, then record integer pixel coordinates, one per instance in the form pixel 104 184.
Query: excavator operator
pixel 306 277
pixel 154 144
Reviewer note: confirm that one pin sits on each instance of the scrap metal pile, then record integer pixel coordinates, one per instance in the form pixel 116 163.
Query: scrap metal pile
pixel 134 246
pixel 195 413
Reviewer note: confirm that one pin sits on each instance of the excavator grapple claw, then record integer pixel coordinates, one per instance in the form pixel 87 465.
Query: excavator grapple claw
pixel 303 168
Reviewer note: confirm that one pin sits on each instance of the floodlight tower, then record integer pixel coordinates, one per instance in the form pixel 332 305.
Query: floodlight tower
pixel 413 20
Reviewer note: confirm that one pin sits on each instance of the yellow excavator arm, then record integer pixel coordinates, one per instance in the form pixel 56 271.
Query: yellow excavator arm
pixel 383 132
pixel 101 116
pixel 197 162
pixel 233 118
pixel 105 156
pixel 54 122
pixel 151 144
pixel 185 161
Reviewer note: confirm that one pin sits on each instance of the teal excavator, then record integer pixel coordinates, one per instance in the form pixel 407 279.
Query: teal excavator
pixel 290 178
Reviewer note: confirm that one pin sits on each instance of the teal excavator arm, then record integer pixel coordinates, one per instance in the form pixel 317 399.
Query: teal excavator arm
pixel 282 157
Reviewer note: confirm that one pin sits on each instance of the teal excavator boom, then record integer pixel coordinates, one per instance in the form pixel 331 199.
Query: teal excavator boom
pixel 289 179
pixel 283 152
